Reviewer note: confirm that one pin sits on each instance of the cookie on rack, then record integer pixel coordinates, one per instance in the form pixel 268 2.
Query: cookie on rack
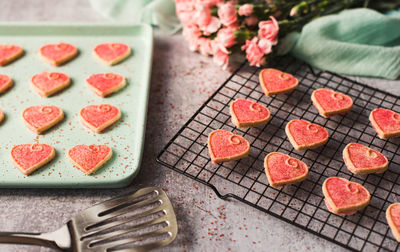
pixel 99 117
pixel 282 169
pixel 385 122
pixel 344 197
pixel 89 158
pixel 226 146
pixel 393 219
pixel 30 157
pixel 58 54
pixel 5 83
pixel 9 53
pixel 330 103
pixel 247 113
pixel 304 135
pixel 112 53
pixel 361 159
pixel 40 118
pixel 104 84
pixel 47 84
pixel 275 82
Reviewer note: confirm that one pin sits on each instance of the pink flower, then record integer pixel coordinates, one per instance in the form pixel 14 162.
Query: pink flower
pixel 251 21
pixel 221 55
pixel 269 30
pixel 226 37
pixel 209 3
pixel 202 15
pixel 192 34
pixel 254 53
pixel 185 11
pixel 205 46
pixel 246 10
pixel 212 27
pixel 265 46
pixel 227 14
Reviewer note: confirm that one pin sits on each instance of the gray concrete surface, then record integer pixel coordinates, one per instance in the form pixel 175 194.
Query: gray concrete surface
pixel 181 81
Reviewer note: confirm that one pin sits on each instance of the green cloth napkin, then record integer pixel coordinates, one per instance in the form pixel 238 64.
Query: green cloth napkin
pixel 354 42
pixel 156 12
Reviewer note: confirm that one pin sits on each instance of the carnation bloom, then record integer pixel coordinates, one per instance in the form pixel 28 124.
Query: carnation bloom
pixel 269 30
pixel 205 46
pixel 227 14
pixel 212 27
pixel 251 21
pixel 185 11
pixel 246 10
pixel 209 3
pixel 226 37
pixel 221 54
pixel 192 34
pixel 254 53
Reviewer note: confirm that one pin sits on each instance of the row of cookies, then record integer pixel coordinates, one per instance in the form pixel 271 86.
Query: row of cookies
pixel 88 158
pixel 40 118
pixel 61 53
pixel 47 84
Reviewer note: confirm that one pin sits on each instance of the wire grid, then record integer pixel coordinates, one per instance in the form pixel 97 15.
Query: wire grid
pixel 300 204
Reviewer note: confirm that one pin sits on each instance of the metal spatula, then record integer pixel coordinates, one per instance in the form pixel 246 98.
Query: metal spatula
pixel 140 221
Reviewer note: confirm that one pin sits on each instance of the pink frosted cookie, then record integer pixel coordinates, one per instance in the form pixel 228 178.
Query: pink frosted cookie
pixel 41 118
pixel 30 157
pixel 58 54
pixel 329 102
pixel 343 196
pixel 305 135
pixel 5 83
pixel 112 53
pixel 47 84
pixel 89 158
pixel 9 53
pixel 385 122
pixel 226 146
pixel 1 115
pixel 104 84
pixel 99 117
pixel 393 219
pixel 274 82
pixel 361 159
pixel 281 169
pixel 246 113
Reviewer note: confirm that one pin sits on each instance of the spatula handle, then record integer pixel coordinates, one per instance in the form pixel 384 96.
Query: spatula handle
pixel 59 239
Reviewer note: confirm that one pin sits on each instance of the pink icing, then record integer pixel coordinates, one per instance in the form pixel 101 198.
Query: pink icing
pixel 387 120
pixel 306 133
pixel 57 51
pixel 105 81
pixel 40 116
pixel 29 155
pixel 344 193
pixel 363 157
pixel 111 51
pixel 88 157
pixel 275 80
pixel 249 111
pixel 226 144
pixel 8 51
pixel 4 80
pixel 395 214
pixel 332 101
pixel 98 115
pixel 282 167
pixel 48 81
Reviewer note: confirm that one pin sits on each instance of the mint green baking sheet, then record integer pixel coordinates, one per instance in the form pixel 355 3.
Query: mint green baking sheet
pixel 125 138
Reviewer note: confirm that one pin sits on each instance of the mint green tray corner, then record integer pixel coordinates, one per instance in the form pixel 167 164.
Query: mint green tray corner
pixel 126 138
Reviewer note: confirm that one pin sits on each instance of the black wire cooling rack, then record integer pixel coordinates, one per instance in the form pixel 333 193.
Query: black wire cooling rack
pixel 300 204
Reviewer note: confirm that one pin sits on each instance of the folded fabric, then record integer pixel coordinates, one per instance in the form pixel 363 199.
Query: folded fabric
pixel 359 42
pixel 156 12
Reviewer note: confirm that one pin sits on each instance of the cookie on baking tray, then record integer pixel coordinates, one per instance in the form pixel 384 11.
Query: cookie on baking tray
pixel 9 53
pixel 99 117
pixel 5 83
pixel 40 118
pixel 104 84
pixel 274 82
pixel 226 146
pixel 58 54
pixel 361 159
pixel 385 122
pixel 112 53
pixel 330 103
pixel 246 113
pixel 30 157
pixel 47 84
pixel 89 158
pixel 305 135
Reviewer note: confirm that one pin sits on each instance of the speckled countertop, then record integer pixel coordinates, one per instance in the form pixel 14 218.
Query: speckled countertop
pixel 181 82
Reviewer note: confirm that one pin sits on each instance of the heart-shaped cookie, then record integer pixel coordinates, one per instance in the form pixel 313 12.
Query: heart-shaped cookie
pixel 344 196
pixel 393 219
pixel 246 113
pixel 1 115
pixel 104 84
pixel 281 169
pixel 58 54
pixel 112 53
pixel 99 117
pixel 361 159
pixel 30 157
pixel 274 82
pixel 5 83
pixel 41 118
pixel 226 146
pixel 305 135
pixel 9 53
pixel 89 158
pixel 329 102
pixel 47 84
pixel 385 122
